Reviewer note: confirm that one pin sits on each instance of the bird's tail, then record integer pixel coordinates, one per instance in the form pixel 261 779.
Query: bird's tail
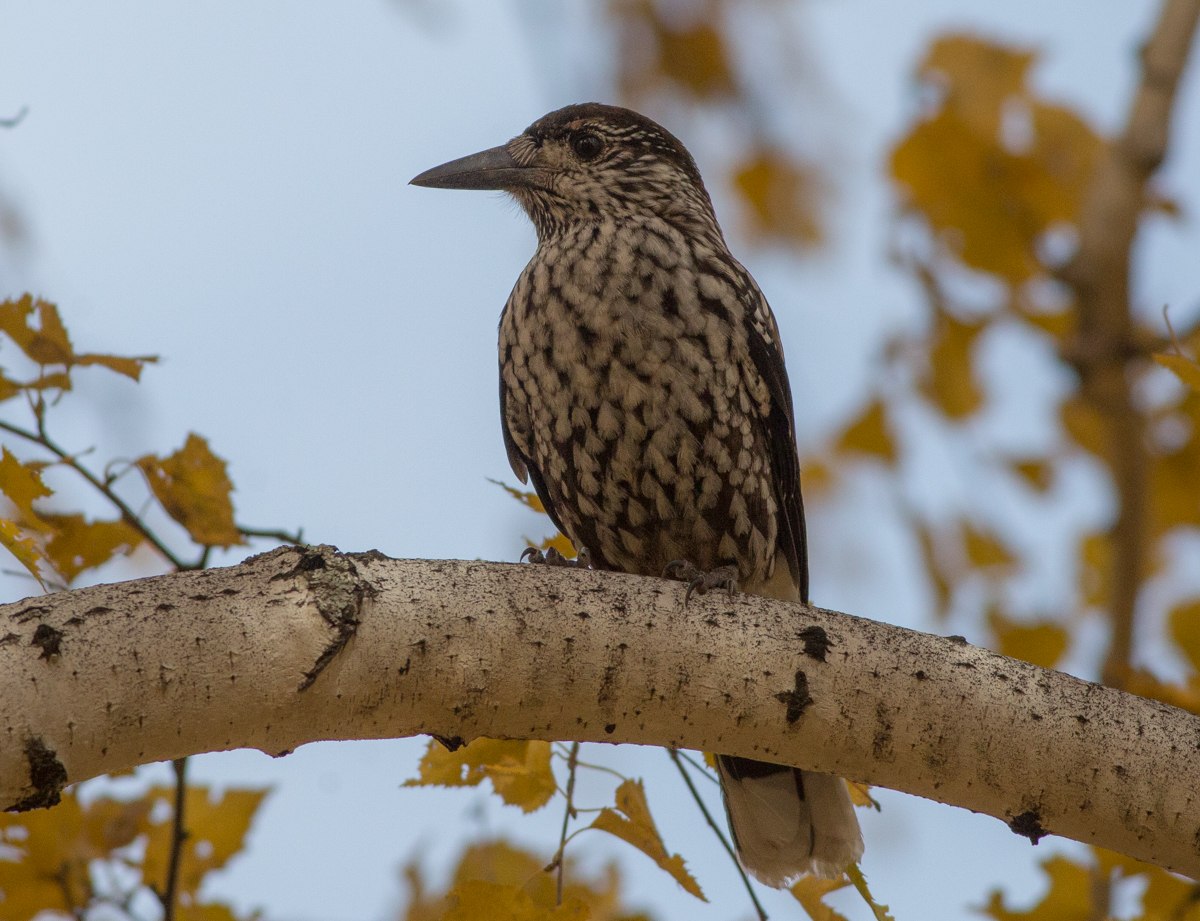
pixel 787 822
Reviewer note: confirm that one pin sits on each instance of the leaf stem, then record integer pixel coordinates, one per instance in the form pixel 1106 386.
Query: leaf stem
pixel 178 836
pixel 42 438
pixel 675 757
pixel 568 814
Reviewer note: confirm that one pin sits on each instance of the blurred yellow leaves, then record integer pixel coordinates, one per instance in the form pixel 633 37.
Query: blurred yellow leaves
pixel 1183 367
pixel 992 167
pixel 1085 891
pixel 1070 896
pixel 949 381
pixel 782 195
pixel 1042 643
pixel 56 854
pixel 193 487
pixel 216 828
pixel 496 879
pixel 632 823
pixel 1184 625
pixel 688 52
pixel 519 770
pixel 869 434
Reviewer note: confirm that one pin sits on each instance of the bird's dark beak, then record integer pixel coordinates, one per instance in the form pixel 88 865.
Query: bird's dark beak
pixel 488 169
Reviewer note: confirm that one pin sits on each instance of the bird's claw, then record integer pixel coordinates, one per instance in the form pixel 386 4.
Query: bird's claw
pixel 699 580
pixel 551 557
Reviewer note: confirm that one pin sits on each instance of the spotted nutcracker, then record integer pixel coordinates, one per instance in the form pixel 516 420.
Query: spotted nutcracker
pixel 643 391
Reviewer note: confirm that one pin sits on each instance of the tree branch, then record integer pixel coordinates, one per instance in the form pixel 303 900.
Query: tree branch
pixel 104 678
pixel 1112 350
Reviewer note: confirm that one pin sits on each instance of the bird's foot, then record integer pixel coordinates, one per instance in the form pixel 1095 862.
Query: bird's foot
pixel 551 557
pixel 699 580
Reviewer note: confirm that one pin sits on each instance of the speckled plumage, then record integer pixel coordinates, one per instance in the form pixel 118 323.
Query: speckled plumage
pixel 643 391
pixel 636 360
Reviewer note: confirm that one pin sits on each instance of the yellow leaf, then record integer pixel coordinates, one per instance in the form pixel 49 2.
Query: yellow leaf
pixel 869 434
pixel 193 487
pixel 1184 368
pixel 1184 696
pixel 22 485
pixel 206 911
pixel 475 899
pixel 22 546
pixel 130 367
pixel 818 475
pixel 985 550
pixel 1069 897
pixel 934 568
pixel 950 381
pixel 1041 643
pixel 528 498
pixel 1085 426
pixel 860 795
pixel 978 76
pixel 557 541
pixel 784 197
pixel 1184 621
pixel 1059 325
pixel 8 389
pixel 78 544
pixel 632 823
pixel 989 192
pixel 502 863
pixel 111 824
pixel 691 54
pixel 810 892
pixel 1174 484
pixel 51 869
pixel 859 881
pixel 49 344
pixel 216 831
pixel 519 770
pixel 1095 562
pixel 1037 473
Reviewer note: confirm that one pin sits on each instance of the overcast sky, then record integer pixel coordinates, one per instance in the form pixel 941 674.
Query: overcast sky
pixel 224 184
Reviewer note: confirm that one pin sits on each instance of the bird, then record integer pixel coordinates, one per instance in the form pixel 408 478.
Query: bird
pixel 643 391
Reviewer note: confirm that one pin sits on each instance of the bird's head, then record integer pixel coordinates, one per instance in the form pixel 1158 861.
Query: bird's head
pixel 587 163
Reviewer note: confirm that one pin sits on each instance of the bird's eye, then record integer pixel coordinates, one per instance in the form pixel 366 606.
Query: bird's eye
pixel 586 145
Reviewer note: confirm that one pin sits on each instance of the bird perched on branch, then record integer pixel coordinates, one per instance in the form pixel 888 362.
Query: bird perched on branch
pixel 643 390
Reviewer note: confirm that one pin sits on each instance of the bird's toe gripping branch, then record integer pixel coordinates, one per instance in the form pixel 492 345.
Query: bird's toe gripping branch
pixel 551 557
pixel 700 581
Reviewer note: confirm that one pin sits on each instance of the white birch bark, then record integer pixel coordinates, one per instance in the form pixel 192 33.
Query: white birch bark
pixel 299 645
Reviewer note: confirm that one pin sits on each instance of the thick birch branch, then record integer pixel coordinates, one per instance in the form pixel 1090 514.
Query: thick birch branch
pixel 299 645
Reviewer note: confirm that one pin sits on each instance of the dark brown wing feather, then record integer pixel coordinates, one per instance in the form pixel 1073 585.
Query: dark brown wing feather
pixel 521 465
pixel 785 462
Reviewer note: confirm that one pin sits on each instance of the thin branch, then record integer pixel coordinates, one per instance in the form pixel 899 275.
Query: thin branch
pixel 169 894
pixel 674 755
pixel 568 814
pixel 1110 353
pixel 16 119
pixel 295 538
pixel 699 766
pixel 128 515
